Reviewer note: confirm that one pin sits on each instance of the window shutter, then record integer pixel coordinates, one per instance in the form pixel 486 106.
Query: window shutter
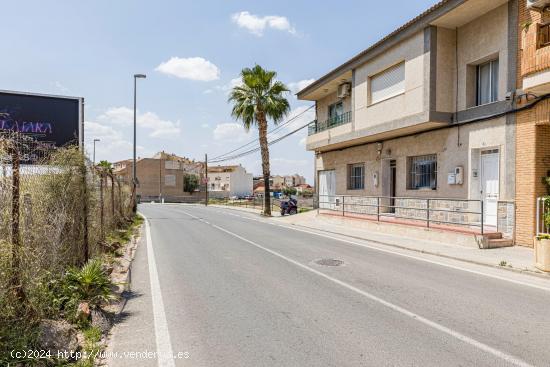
pixel 388 83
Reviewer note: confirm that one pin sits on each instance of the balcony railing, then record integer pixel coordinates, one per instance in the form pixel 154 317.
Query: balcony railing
pixel 316 126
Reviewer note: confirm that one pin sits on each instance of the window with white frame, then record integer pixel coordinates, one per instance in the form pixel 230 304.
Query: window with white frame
pixel 389 83
pixel 356 176
pixel 422 172
pixel 487 82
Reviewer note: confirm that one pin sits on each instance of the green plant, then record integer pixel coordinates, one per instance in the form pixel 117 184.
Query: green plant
pixel 503 263
pixel 526 25
pixel 288 191
pixel 89 283
pixel 190 183
pixel 543 237
pixel 260 97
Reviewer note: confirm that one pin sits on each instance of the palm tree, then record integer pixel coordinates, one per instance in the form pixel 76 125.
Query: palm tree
pixel 258 98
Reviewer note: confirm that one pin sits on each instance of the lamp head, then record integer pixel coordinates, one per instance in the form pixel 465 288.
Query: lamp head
pixel 143 76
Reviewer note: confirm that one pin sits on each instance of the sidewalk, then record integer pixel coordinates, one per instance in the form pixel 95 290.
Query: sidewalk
pixel 515 258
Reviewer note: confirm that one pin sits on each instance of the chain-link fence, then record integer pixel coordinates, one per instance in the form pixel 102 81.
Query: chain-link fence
pixel 55 211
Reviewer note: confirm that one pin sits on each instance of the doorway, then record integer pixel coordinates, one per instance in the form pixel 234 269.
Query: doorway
pixel 490 184
pixel 327 189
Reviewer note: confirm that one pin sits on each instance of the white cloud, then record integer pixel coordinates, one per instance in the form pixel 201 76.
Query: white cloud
pixel 160 128
pixel 227 87
pixel 124 116
pixel 205 126
pixel 112 145
pixel 193 68
pixel 230 131
pixel 257 24
pixel 295 87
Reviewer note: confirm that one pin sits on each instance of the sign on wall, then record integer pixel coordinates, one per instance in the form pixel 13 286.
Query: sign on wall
pixel 52 120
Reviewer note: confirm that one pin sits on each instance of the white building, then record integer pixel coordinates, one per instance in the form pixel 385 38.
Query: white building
pixel 226 181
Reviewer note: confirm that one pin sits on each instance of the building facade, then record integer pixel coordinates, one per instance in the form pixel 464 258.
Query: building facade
pixel 161 176
pixel 533 124
pixel 227 181
pixel 426 113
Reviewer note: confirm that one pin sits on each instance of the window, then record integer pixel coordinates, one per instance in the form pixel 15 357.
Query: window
pixel 387 84
pixel 169 180
pixel 356 176
pixel 171 165
pixel 422 172
pixel 543 35
pixel 335 110
pixel 487 83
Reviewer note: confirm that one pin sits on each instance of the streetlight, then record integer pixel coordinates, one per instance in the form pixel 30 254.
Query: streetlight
pixel 95 141
pixel 134 176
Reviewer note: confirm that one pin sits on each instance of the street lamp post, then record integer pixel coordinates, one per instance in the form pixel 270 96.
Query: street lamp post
pixel 134 174
pixel 95 141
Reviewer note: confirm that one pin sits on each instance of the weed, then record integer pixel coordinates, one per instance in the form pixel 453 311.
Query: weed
pixel 503 263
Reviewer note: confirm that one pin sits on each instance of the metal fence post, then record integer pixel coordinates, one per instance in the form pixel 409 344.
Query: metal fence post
pixel 538 215
pixel 428 213
pixel 378 208
pixel 482 216
pixel 343 209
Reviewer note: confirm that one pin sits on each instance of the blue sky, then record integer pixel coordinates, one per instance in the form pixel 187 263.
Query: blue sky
pixel 192 53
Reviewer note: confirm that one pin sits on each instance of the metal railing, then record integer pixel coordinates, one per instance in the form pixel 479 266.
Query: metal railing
pixel 317 126
pixel 256 203
pixel 543 215
pixel 447 211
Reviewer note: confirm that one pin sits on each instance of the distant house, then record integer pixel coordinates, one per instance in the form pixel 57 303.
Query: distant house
pixel 226 181
pixel 301 187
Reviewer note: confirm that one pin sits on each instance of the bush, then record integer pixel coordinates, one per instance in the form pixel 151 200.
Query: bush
pixel 88 284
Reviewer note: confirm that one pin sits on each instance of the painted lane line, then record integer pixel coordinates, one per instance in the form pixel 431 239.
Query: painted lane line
pixel 453 333
pixel 165 357
pixel 435 262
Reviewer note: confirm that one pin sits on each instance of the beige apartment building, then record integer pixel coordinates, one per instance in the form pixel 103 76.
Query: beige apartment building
pixel 425 113
pixel 161 176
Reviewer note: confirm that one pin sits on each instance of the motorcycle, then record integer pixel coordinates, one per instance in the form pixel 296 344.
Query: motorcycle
pixel 289 207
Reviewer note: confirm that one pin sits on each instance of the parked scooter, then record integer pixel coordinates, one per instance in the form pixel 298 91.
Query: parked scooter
pixel 289 207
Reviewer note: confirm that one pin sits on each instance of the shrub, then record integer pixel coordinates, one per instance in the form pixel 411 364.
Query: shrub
pixel 89 283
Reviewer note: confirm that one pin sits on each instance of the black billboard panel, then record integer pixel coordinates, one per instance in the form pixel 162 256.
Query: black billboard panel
pixel 51 120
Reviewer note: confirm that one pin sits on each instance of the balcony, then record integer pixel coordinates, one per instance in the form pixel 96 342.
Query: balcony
pixel 315 127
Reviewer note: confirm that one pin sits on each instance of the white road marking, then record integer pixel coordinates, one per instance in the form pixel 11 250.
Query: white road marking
pixel 377 248
pixel 455 334
pixel 165 357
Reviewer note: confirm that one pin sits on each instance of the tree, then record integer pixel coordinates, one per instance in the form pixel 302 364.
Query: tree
pixel 190 183
pixel 288 191
pixel 259 98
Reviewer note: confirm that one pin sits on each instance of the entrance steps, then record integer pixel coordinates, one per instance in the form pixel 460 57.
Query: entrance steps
pixel 495 240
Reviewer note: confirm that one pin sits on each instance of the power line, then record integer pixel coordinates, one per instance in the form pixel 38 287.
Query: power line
pixel 277 128
pixel 258 148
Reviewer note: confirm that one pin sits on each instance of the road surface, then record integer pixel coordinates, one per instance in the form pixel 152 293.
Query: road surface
pixel 226 288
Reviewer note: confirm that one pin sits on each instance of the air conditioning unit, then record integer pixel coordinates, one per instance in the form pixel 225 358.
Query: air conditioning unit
pixel 540 4
pixel 344 90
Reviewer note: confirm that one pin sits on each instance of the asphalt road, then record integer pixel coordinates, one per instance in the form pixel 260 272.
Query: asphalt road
pixel 226 289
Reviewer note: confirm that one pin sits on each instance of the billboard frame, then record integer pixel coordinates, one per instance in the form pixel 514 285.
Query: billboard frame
pixel 80 109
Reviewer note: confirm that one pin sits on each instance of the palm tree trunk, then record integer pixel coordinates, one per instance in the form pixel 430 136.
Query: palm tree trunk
pixel 262 129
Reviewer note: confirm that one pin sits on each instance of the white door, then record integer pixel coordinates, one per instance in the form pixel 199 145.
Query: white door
pixel 327 189
pixel 490 184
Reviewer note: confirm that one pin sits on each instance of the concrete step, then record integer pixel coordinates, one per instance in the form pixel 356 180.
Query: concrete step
pixel 493 235
pixel 500 242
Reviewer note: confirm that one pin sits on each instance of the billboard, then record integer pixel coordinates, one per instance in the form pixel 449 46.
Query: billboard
pixel 51 120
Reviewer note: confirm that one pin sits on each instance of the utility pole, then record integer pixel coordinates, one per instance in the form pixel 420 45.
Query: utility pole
pixel 206 179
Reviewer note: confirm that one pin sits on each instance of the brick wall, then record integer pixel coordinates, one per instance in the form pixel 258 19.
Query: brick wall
pixel 532 59
pixel 532 129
